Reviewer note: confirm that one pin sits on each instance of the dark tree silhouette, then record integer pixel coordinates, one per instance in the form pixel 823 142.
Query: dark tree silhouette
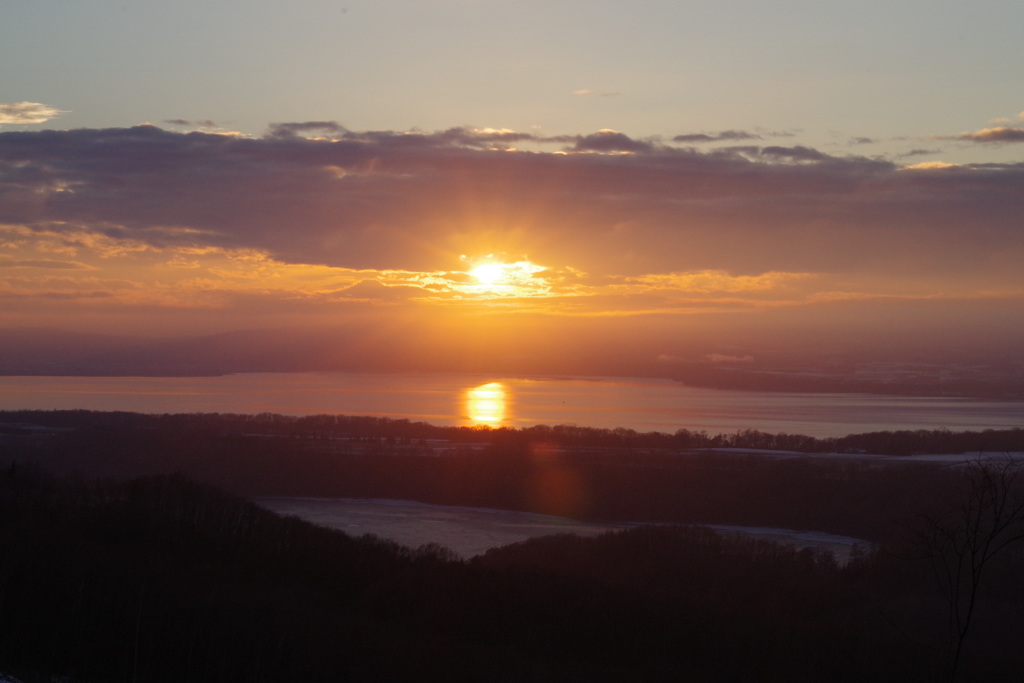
pixel 961 544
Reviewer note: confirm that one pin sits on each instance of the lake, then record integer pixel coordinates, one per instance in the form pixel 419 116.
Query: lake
pixel 458 399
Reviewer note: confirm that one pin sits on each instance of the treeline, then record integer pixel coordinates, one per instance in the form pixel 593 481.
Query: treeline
pixel 540 474
pixel 389 430
pixel 163 579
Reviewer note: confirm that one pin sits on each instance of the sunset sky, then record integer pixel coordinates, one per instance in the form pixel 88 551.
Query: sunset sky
pixel 668 178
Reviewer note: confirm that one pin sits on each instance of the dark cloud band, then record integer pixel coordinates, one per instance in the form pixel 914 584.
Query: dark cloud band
pixel 316 192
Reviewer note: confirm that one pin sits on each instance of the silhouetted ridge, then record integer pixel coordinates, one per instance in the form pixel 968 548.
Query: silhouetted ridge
pixel 160 578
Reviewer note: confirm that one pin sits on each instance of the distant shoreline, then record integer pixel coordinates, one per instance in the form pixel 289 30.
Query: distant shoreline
pixel 785 384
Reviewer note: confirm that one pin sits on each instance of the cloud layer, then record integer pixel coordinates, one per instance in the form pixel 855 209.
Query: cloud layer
pixel 603 203
pixel 653 242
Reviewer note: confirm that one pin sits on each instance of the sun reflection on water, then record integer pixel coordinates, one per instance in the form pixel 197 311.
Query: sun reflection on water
pixel 486 404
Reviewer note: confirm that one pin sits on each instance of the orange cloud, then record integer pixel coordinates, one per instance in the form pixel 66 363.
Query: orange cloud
pixel 710 281
pixel 931 166
pixel 997 134
pixel 20 113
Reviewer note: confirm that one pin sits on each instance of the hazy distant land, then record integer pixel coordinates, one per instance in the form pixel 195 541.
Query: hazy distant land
pixel 921 370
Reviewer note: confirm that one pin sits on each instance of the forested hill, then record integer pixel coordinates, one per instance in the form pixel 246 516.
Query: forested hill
pixel 116 565
pixel 592 474
pixel 162 579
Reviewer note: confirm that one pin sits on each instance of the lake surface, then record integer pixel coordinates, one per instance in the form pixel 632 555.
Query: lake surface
pixel 641 404
pixel 472 531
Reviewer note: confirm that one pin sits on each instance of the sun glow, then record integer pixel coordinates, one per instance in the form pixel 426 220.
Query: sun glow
pixel 494 278
pixel 490 273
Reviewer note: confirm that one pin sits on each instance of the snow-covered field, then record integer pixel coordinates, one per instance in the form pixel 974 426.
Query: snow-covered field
pixel 843 548
pixel 467 531
pixel 948 458
pixel 472 531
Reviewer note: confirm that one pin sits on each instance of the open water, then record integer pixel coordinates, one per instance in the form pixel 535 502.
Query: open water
pixel 641 404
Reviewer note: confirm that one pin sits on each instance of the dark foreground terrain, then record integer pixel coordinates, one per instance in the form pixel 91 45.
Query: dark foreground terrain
pixel 116 564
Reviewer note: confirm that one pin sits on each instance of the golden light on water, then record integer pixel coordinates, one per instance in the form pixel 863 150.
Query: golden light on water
pixel 485 404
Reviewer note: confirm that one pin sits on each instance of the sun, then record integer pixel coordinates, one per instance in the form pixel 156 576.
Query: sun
pixel 490 277
pixel 490 273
